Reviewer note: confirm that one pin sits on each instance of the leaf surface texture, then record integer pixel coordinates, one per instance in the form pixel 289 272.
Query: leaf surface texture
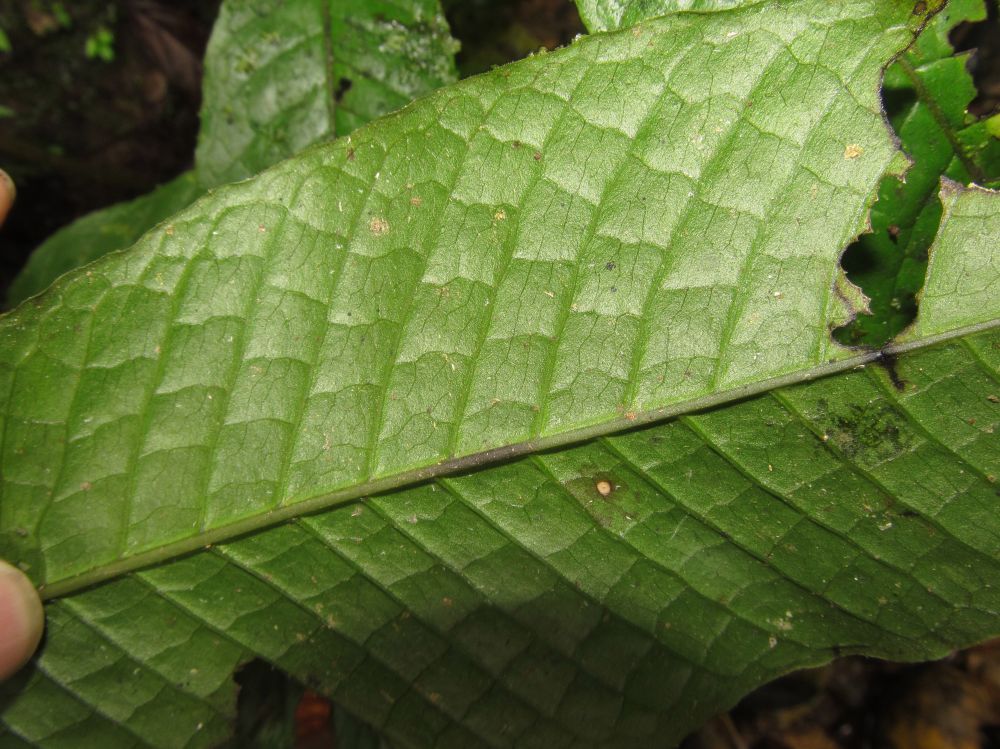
pixel 518 605
pixel 516 262
pixel 281 75
pixel 461 277
pixel 610 15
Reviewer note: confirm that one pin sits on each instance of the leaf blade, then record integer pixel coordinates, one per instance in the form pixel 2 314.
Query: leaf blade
pixel 968 219
pixel 214 313
pixel 694 581
pixel 282 76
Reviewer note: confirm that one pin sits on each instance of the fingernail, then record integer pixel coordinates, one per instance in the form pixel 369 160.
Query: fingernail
pixel 21 619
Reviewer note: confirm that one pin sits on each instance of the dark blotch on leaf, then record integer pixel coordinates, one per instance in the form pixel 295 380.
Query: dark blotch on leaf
pixel 343 86
pixel 869 433
pixel 889 363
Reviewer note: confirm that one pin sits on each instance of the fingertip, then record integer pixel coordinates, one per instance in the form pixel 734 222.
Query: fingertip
pixel 8 192
pixel 21 619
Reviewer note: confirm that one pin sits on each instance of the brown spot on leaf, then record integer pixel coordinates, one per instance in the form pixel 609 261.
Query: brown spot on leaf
pixel 378 226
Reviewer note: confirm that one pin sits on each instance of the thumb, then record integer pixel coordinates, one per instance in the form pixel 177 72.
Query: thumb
pixel 21 619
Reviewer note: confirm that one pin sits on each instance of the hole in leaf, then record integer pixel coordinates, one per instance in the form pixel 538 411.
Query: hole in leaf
pixel 925 95
pixel 889 265
pixel 275 710
pixel 265 708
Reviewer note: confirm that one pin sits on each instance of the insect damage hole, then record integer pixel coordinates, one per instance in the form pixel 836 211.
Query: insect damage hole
pixel 890 261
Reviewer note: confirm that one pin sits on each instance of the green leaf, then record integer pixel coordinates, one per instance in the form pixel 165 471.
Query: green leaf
pixel 519 604
pixel 281 75
pixel 964 262
pixel 928 92
pixel 610 15
pixel 100 45
pixel 515 263
pixel 99 233
pixel 266 75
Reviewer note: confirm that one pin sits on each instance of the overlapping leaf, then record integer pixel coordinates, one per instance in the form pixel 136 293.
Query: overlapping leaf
pixel 279 76
pixel 99 233
pixel 500 278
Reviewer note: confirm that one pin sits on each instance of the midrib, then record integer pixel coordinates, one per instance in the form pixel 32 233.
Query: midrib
pixel 329 500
